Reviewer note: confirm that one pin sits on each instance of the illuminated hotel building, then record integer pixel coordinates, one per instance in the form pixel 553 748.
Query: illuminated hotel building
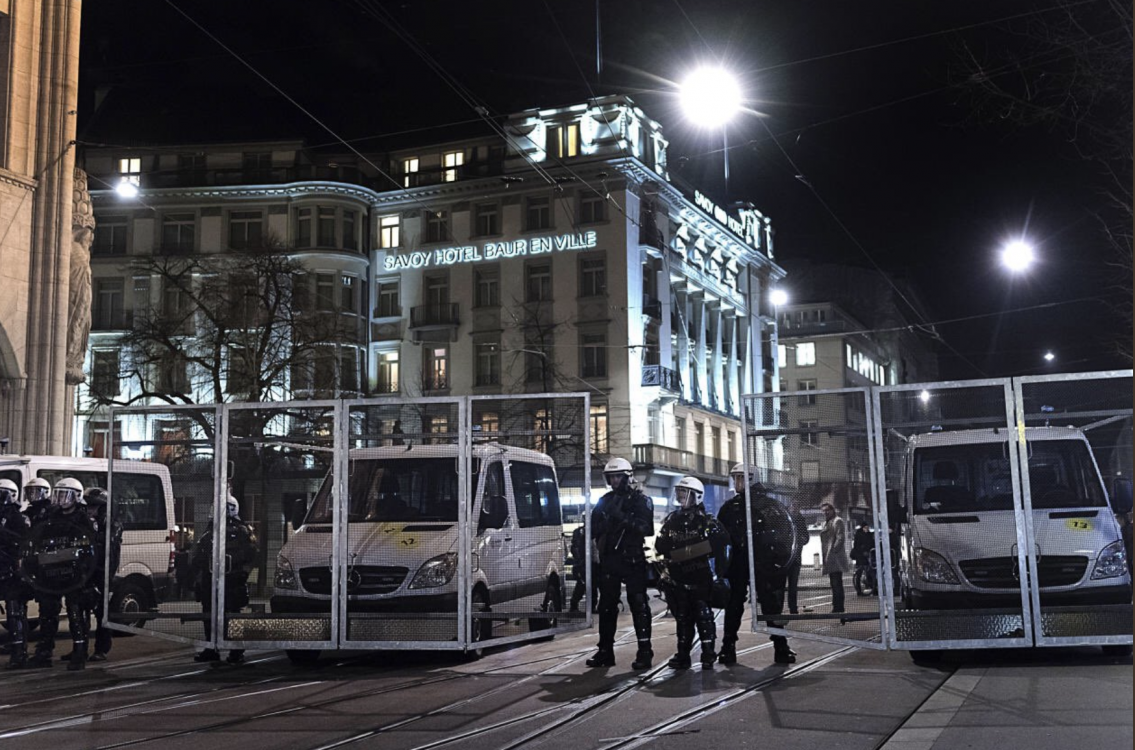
pixel 561 258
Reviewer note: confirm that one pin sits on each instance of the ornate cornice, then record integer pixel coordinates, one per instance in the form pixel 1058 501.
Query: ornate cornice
pixel 16 180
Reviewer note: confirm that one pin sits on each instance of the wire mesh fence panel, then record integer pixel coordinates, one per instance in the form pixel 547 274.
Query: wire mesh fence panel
pixel 816 538
pixel 272 564
pixel 1077 463
pixel 162 483
pixel 949 467
pixel 531 457
pixel 407 485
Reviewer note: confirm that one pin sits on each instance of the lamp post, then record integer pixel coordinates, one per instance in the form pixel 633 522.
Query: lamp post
pixel 710 98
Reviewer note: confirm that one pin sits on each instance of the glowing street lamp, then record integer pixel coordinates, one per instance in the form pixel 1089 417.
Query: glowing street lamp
pixel 778 297
pixel 126 189
pixel 924 397
pixel 711 97
pixel 1049 357
pixel 1017 256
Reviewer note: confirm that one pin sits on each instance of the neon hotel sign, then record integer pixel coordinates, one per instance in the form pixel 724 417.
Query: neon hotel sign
pixel 448 256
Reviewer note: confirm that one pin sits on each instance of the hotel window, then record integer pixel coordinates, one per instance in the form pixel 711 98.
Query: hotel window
pixel 592 277
pixel 324 291
pixel 349 369
pixel 389 232
pixel 178 232
pixel 730 447
pixel 537 363
pixel 437 368
pixel 173 374
pixel 599 441
pixel 781 355
pixel 388 372
pixel 538 283
pixel 542 425
pixel 808 399
pixel 486 289
pixel 389 305
pixel 410 170
pixel 349 294
pixel 350 230
pixel 326 227
pixel 104 373
pixel 437 226
pixel 191 167
pixel 258 166
pixel 108 311
pixel 110 235
pixel 488 363
pixel 592 207
pixel 809 472
pixel 593 355
pixel 563 141
pixel 452 160
pixel 303 227
pixel 809 436
pixel 489 422
pixel 805 354
pixel 301 293
pixel 486 220
pixel 131 170
pixel 538 214
pixel 246 229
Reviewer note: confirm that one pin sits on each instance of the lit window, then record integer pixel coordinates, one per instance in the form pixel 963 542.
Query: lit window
pixel 781 355
pixel 131 170
pixel 410 170
pixel 599 441
pixel 805 354
pixel 437 373
pixel 563 142
pixel 452 160
pixel 389 232
pixel 490 423
pixel 388 371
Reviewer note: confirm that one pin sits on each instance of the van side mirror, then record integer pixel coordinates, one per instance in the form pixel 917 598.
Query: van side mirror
pixel 1121 495
pixel 494 513
pixel 896 511
pixel 299 512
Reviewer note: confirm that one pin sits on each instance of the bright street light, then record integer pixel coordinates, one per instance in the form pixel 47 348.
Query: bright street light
pixel 1017 256
pixel 778 297
pixel 711 97
pixel 924 397
pixel 1049 357
pixel 126 189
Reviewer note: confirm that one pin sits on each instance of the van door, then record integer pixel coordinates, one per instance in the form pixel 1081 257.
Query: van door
pixel 495 534
pixel 539 525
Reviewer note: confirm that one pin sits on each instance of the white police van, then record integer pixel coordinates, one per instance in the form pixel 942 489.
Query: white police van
pixel 403 539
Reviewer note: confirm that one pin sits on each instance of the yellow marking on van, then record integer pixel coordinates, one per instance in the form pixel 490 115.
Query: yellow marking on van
pixel 1078 524
pixel 409 541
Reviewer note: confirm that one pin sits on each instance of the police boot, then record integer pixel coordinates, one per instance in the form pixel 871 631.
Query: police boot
pixel 681 659
pixel 78 658
pixel 40 660
pixel 604 657
pixel 728 654
pixel 643 657
pixel 708 655
pixel 236 656
pixel 782 654
pixel 208 654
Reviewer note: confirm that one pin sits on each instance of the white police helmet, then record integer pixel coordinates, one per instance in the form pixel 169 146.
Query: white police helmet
pixel 37 490
pixel 233 507
pixel 618 473
pixel 689 492
pixel 9 492
pixel 67 493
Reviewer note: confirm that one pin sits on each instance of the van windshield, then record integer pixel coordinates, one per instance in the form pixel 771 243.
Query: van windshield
pixel 401 489
pixel 975 477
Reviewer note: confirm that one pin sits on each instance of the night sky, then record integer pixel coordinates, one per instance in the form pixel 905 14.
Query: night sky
pixel 867 150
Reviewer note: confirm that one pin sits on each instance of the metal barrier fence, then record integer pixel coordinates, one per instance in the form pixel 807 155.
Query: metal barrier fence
pixel 446 530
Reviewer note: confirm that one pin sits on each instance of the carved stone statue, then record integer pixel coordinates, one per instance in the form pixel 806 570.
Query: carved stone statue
pixel 79 295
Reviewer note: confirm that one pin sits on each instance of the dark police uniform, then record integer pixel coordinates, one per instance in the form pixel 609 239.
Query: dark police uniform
pixel 14 591
pixel 694 546
pixel 97 511
pixel 240 554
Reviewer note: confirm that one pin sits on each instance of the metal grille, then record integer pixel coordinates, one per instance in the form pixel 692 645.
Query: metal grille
pixel 812 452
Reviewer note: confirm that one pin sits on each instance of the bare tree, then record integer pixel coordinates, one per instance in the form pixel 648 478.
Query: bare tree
pixel 1070 72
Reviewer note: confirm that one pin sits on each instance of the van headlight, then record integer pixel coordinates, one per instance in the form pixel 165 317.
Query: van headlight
pixel 437 571
pixel 1111 563
pixel 932 567
pixel 285 574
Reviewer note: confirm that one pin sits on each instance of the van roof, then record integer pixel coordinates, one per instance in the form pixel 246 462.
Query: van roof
pixel 84 463
pixel 991 435
pixel 480 450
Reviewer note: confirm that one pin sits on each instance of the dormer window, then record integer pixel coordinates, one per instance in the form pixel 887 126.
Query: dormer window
pixel 452 160
pixel 410 168
pixel 131 170
pixel 563 141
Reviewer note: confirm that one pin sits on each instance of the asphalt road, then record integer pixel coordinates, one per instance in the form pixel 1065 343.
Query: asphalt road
pixel 541 695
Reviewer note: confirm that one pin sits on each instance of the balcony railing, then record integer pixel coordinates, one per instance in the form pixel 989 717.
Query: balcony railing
pixel 663 377
pixel 434 315
pixel 652 456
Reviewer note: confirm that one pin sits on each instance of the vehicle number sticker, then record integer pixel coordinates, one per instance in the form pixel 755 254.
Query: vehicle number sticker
pixel 1078 524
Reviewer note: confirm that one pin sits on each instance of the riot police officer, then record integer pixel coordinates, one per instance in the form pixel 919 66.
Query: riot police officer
pixel 97 511
pixel 774 540
pixel 581 571
pixel 14 592
pixel 240 554
pixel 65 527
pixel 37 496
pixel 620 523
pixel 694 547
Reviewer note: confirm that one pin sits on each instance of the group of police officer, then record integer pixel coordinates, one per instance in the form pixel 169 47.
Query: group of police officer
pixel 705 563
pixel 53 550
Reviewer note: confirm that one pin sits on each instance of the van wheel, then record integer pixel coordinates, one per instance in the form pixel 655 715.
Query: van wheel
pixel 927 657
pixel 553 603
pixel 480 628
pixel 129 598
pixel 303 657
pixel 1120 650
